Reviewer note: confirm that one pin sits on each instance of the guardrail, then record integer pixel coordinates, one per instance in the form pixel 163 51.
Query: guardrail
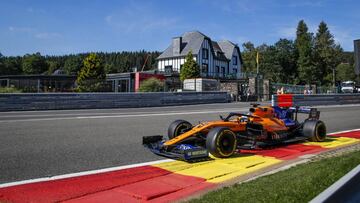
pixel 344 190
pixel 287 100
pixel 53 101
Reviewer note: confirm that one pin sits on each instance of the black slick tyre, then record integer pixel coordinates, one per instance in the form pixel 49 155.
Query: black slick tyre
pixel 315 130
pixel 178 127
pixel 221 142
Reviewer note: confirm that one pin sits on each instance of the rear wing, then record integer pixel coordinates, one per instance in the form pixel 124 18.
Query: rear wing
pixel 313 112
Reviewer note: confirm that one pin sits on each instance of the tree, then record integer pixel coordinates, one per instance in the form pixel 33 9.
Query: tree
pixel 345 72
pixel 249 57
pixel 2 64
pixel 286 57
pixel 151 85
pixel 73 64
pixel 12 66
pixel 53 66
pixel 91 75
pixel 304 44
pixel 34 64
pixel 190 68
pixel 326 53
pixel 268 64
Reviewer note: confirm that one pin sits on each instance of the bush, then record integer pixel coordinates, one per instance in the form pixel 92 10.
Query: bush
pixel 9 90
pixel 151 85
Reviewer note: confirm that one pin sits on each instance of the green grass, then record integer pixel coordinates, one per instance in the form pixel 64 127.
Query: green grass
pixel 297 184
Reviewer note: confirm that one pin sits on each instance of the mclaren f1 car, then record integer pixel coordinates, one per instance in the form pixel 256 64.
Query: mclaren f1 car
pixel 260 127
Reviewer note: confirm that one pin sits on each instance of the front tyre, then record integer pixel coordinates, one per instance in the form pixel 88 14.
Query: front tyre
pixel 315 130
pixel 221 142
pixel 178 127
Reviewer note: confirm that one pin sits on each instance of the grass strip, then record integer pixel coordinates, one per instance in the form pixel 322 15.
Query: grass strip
pixel 298 184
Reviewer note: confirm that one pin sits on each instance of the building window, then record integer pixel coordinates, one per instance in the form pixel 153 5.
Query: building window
pixel 168 70
pixel 181 66
pixel 235 70
pixel 205 53
pixel 234 58
pixel 204 68
pixel 223 71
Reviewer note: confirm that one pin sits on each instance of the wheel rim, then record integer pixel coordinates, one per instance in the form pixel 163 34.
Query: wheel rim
pixel 226 143
pixel 321 132
pixel 182 129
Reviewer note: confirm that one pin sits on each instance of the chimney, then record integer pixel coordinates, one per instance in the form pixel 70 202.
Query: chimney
pixel 177 41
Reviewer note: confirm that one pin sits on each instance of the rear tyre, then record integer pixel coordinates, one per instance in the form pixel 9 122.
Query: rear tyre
pixel 178 127
pixel 315 130
pixel 221 142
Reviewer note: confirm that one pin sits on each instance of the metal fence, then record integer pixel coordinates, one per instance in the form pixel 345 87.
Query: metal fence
pixel 301 89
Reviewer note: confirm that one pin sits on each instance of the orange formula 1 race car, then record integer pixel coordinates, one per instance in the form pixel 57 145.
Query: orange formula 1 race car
pixel 262 126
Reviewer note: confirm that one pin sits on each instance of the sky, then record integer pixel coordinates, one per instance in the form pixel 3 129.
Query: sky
pixel 59 27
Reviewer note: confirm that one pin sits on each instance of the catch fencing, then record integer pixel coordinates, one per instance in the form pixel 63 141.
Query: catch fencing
pixel 53 101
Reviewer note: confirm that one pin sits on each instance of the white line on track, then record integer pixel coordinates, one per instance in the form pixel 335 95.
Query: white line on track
pixel 92 172
pixel 125 116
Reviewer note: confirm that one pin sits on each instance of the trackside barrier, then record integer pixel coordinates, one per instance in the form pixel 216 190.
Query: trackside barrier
pixel 53 101
pixel 286 100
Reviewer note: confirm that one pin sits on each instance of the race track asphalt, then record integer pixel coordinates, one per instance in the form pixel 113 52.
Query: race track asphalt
pixel 36 144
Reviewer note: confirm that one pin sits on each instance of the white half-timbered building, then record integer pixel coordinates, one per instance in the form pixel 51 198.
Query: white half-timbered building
pixel 216 59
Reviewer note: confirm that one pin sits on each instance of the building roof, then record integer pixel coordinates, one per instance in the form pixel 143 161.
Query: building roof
pixel 190 41
pixel 193 40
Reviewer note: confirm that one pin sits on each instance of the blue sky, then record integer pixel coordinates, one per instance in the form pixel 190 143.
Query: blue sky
pixel 74 26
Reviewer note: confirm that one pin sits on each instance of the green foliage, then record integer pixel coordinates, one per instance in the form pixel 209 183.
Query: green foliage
pixel 297 184
pixel 304 45
pixel 73 64
pixel 115 62
pixel 286 58
pixel 92 75
pixel 326 53
pixel 9 90
pixel 34 64
pixel 53 65
pixel 249 57
pixel 151 85
pixel 190 68
pixel 345 72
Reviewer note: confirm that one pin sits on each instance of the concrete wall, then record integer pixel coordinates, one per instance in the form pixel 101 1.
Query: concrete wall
pixel 28 101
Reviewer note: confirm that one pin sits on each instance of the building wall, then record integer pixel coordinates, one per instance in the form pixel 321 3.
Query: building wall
pixel 225 67
pixel 238 65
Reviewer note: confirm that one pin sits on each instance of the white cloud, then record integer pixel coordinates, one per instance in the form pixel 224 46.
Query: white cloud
pixel 34 32
pixel 303 3
pixel 287 32
pixel 35 10
pixel 47 35
pixel 21 29
pixel 139 18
